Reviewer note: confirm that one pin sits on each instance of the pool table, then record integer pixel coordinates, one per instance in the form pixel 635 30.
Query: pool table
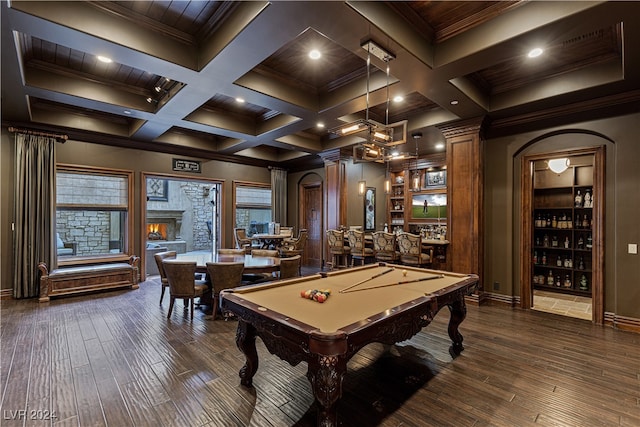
pixel 382 303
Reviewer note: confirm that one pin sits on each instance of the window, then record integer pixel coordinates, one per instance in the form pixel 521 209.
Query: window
pixel 93 208
pixel 252 206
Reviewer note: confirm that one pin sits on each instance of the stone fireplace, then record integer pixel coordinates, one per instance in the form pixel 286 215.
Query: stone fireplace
pixel 164 225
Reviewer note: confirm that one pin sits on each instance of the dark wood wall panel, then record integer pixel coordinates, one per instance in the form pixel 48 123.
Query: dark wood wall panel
pixel 461 207
pixel 335 194
pixel 464 171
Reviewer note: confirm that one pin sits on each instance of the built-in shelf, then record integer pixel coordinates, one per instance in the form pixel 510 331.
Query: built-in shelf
pixel 562 230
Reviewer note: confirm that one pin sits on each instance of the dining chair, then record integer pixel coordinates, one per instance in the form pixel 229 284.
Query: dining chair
pixel 337 249
pixel 182 283
pixel 294 246
pixel 224 275
pixel 411 253
pixel 261 277
pixel 227 251
pixel 290 267
pixel 265 252
pixel 357 246
pixel 242 240
pixel 159 257
pixel 286 231
pixel 384 247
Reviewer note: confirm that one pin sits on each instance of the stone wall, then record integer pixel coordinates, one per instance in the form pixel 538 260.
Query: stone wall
pixel 77 221
pixel 89 229
pixel 194 199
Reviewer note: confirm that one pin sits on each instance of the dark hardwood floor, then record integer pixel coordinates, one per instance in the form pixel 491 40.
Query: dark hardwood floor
pixel 114 359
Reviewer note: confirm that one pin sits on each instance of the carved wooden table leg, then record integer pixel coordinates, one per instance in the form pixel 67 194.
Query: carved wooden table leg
pixel 246 342
pixel 326 374
pixel 458 312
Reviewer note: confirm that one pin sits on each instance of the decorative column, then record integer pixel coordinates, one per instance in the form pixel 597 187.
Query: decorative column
pixel 465 198
pixel 335 194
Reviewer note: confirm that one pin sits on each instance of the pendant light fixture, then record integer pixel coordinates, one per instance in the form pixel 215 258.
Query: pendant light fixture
pixel 379 137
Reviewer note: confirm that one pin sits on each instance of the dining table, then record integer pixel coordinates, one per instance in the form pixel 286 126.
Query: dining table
pixel 270 241
pixel 252 264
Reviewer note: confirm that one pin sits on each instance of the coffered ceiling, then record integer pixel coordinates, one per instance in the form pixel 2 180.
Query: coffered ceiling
pixel 453 61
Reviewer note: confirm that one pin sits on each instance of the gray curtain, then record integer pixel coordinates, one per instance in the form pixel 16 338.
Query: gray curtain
pixel 279 195
pixel 34 211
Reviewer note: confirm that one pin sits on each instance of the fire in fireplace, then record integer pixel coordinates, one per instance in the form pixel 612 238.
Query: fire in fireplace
pixel 164 224
pixel 157 231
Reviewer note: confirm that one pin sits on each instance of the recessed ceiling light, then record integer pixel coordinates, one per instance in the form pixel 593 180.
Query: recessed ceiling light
pixel 104 59
pixel 240 100
pixel 398 98
pixel 439 146
pixel 320 125
pixel 454 102
pixel 127 112
pixel 535 52
pixel 315 54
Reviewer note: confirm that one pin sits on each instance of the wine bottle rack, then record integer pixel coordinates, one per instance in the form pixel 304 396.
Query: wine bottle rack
pixel 562 234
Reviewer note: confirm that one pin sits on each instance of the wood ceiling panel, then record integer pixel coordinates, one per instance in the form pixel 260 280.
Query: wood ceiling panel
pixel 66 60
pixel 227 104
pixel 414 103
pixel 44 104
pixel 586 50
pixel 188 17
pixel 291 64
pixel 441 20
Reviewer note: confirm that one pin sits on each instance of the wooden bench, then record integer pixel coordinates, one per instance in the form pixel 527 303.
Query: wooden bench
pixel 85 278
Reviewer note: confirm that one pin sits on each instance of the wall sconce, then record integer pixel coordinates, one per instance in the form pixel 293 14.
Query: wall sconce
pixel 362 187
pixel 362 184
pixel 558 165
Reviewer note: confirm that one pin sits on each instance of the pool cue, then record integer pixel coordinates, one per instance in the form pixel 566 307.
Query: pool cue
pixel 366 280
pixel 439 276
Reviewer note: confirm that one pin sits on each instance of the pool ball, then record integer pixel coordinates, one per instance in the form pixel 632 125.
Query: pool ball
pixel 404 272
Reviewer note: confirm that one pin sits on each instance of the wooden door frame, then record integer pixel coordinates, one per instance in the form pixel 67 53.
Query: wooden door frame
pixel 143 208
pixel 526 227
pixel 302 209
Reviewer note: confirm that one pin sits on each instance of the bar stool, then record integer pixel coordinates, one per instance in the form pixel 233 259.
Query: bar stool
pixel 384 247
pixel 410 246
pixel 337 249
pixel 357 247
